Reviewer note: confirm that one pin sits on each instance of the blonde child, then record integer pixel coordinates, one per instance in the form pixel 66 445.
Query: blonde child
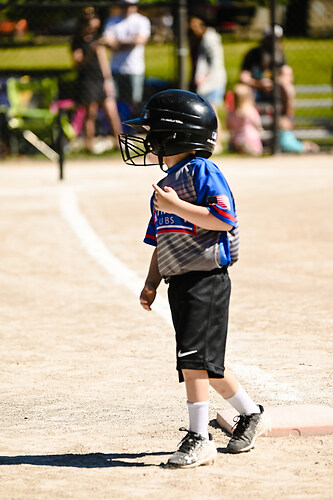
pixel 244 123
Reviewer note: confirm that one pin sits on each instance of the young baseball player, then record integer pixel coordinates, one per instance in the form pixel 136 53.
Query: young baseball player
pixel 195 233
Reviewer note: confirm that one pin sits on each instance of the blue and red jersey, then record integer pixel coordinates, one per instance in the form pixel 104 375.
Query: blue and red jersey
pixel 181 245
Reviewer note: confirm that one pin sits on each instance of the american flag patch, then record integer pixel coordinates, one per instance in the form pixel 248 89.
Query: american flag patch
pixel 220 199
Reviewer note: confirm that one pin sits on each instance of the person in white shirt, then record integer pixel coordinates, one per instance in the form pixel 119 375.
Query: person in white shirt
pixel 126 35
pixel 209 76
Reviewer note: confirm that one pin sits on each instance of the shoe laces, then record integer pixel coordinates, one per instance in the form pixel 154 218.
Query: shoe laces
pixel 242 422
pixel 189 441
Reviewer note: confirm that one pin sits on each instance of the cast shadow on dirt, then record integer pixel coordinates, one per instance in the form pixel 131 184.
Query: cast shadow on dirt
pixel 96 460
pixel 88 460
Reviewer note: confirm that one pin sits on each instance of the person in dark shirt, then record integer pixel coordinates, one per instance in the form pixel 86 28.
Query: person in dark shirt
pixel 257 71
pixel 94 84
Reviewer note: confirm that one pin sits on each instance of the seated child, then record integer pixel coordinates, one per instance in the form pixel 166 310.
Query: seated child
pixel 244 123
pixel 289 142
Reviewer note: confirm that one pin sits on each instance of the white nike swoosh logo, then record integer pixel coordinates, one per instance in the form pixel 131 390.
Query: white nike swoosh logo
pixel 182 354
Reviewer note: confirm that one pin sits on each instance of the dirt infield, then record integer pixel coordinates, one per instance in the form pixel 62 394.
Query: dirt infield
pixel 90 403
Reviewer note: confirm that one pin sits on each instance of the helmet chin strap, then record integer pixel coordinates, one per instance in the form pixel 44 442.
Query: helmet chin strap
pixel 161 162
pixel 163 147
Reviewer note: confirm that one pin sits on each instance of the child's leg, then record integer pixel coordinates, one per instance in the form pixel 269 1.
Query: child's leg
pixel 197 390
pixel 197 447
pixel 197 385
pixel 231 390
pixel 251 422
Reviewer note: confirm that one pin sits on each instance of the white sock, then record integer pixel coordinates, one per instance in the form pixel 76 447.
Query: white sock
pixel 198 415
pixel 242 402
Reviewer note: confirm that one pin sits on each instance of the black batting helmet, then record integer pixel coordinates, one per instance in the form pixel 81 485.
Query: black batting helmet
pixel 173 121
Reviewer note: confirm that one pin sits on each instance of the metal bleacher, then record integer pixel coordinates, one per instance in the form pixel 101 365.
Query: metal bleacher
pixel 313 125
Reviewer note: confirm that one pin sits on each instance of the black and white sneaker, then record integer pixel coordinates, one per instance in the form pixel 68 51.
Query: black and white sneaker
pixel 246 430
pixel 194 450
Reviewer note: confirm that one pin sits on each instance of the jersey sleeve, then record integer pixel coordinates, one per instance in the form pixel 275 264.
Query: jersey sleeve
pixel 150 237
pixel 214 193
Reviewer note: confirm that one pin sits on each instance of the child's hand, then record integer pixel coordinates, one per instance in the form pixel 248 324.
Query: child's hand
pixel 147 296
pixel 165 200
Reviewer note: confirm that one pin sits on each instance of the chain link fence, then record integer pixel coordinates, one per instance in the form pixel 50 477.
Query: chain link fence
pixel 40 104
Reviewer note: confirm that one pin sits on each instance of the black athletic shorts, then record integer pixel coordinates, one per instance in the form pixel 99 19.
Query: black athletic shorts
pixel 199 303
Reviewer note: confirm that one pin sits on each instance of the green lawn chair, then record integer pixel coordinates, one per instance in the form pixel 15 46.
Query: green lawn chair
pixel 29 113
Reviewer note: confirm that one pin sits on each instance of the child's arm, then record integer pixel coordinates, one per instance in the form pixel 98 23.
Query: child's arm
pixel 256 120
pixel 168 201
pixel 152 282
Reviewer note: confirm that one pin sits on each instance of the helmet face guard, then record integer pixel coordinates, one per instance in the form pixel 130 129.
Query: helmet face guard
pixel 134 150
pixel 174 121
pixel 147 151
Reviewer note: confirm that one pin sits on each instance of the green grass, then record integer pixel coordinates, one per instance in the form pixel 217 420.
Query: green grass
pixel 311 60
pixel 160 59
pixel 51 57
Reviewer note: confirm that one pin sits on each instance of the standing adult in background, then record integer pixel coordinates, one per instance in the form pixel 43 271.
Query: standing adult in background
pixel 94 84
pixel 209 76
pixel 126 35
pixel 257 70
